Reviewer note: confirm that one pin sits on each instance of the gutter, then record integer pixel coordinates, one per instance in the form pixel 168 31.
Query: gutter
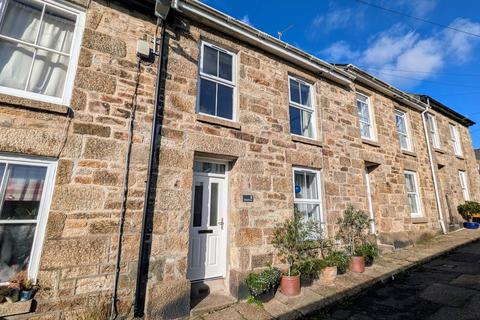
pixel 432 167
pixel 226 24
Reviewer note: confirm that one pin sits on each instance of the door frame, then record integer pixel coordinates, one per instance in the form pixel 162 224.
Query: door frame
pixel 226 240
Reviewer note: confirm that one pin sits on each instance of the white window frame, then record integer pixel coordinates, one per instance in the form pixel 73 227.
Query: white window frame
pixel 464 185
pixel 319 202
pixel 407 134
pixel 45 201
pixel 371 124
pixel 73 56
pixel 206 76
pixel 455 138
pixel 305 108
pixel 433 129
pixel 416 193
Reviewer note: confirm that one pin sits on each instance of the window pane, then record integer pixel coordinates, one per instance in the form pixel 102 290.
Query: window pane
pixel 295 122
pixel 198 204
pixel 2 171
pixel 23 192
pixel 307 122
pixel 363 112
pixel 22 20
pixel 210 57
pixel 306 185
pixel 214 204
pixel 15 63
pixel 207 167
pixel 48 74
pixel 225 101
pixel 225 64
pixel 15 246
pixel 207 97
pixel 305 95
pixel 403 141
pixel 365 130
pixel 410 183
pixel 294 91
pixel 412 203
pixel 308 211
pixel 400 122
pixel 56 31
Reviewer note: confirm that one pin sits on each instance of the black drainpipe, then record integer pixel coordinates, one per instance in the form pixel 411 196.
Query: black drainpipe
pixel 147 228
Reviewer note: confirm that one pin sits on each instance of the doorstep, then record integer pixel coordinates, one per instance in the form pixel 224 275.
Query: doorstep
pixel 319 296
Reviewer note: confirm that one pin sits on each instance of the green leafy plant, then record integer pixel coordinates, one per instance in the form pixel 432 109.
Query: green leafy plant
pixel 310 268
pixel 295 241
pixel 353 230
pixel 260 283
pixel 340 259
pixel 369 251
pixel 468 209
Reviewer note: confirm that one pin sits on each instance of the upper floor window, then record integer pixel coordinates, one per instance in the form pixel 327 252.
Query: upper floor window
pixel 39 47
pixel 457 147
pixel 365 116
pixel 302 120
pixel 307 200
pixel 432 127
pixel 403 131
pixel 217 82
pixel 25 191
pixel 412 193
pixel 464 185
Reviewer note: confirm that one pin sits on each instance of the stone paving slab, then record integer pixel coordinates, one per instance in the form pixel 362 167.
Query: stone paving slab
pixel 444 292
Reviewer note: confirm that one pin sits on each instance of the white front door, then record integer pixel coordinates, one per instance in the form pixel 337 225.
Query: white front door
pixel 207 245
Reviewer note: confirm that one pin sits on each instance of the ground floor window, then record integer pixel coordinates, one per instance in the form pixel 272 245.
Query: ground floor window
pixel 307 199
pixel 412 193
pixel 25 192
pixel 464 185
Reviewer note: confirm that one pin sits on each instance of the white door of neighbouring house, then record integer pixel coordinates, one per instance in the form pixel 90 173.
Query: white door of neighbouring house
pixel 208 236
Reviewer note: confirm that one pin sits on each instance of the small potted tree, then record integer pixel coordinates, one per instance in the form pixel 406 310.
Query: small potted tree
pixel 293 240
pixel 467 210
pixel 353 233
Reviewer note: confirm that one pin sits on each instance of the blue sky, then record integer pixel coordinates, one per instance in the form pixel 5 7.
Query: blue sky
pixel 412 55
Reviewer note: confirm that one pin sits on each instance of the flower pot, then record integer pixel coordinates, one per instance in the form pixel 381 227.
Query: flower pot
pixel 328 275
pixel 14 296
pixel 357 264
pixel 471 225
pixel 26 295
pixel 267 295
pixel 290 285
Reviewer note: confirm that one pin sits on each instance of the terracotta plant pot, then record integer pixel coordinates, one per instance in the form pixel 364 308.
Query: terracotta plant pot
pixel 290 285
pixel 357 264
pixel 328 275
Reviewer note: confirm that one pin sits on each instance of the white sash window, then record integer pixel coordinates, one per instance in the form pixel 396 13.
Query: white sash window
pixel 464 185
pixel 412 193
pixel 26 187
pixel 403 130
pixel 365 117
pixel 301 110
pixel 457 147
pixel 307 195
pixel 39 47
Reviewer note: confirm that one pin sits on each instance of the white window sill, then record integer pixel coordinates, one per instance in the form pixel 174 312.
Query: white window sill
pixel 33 104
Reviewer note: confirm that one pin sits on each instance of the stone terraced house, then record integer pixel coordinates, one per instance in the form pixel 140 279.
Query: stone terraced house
pixel 141 178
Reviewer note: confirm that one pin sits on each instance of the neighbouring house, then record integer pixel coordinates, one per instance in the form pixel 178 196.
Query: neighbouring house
pixel 149 180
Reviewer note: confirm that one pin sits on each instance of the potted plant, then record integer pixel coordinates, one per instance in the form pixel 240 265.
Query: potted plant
pixel 28 289
pixel 262 286
pixel 369 251
pixel 293 240
pixel 340 259
pixel 353 232
pixel 310 270
pixel 467 210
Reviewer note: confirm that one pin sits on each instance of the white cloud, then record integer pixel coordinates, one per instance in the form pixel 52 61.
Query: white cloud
pixel 392 53
pixel 246 19
pixel 336 18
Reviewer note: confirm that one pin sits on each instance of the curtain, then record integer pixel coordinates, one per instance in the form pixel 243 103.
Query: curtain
pixel 55 31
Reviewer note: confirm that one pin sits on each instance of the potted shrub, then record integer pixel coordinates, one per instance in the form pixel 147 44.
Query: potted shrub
pixel 27 289
pixel 293 240
pixel 369 251
pixel 310 270
pixel 467 210
pixel 340 259
pixel 353 232
pixel 262 286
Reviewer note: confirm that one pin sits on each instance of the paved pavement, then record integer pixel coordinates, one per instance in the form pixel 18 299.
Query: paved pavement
pixel 446 288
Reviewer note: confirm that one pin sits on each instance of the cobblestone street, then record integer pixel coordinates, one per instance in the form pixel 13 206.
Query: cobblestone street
pixel 446 288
